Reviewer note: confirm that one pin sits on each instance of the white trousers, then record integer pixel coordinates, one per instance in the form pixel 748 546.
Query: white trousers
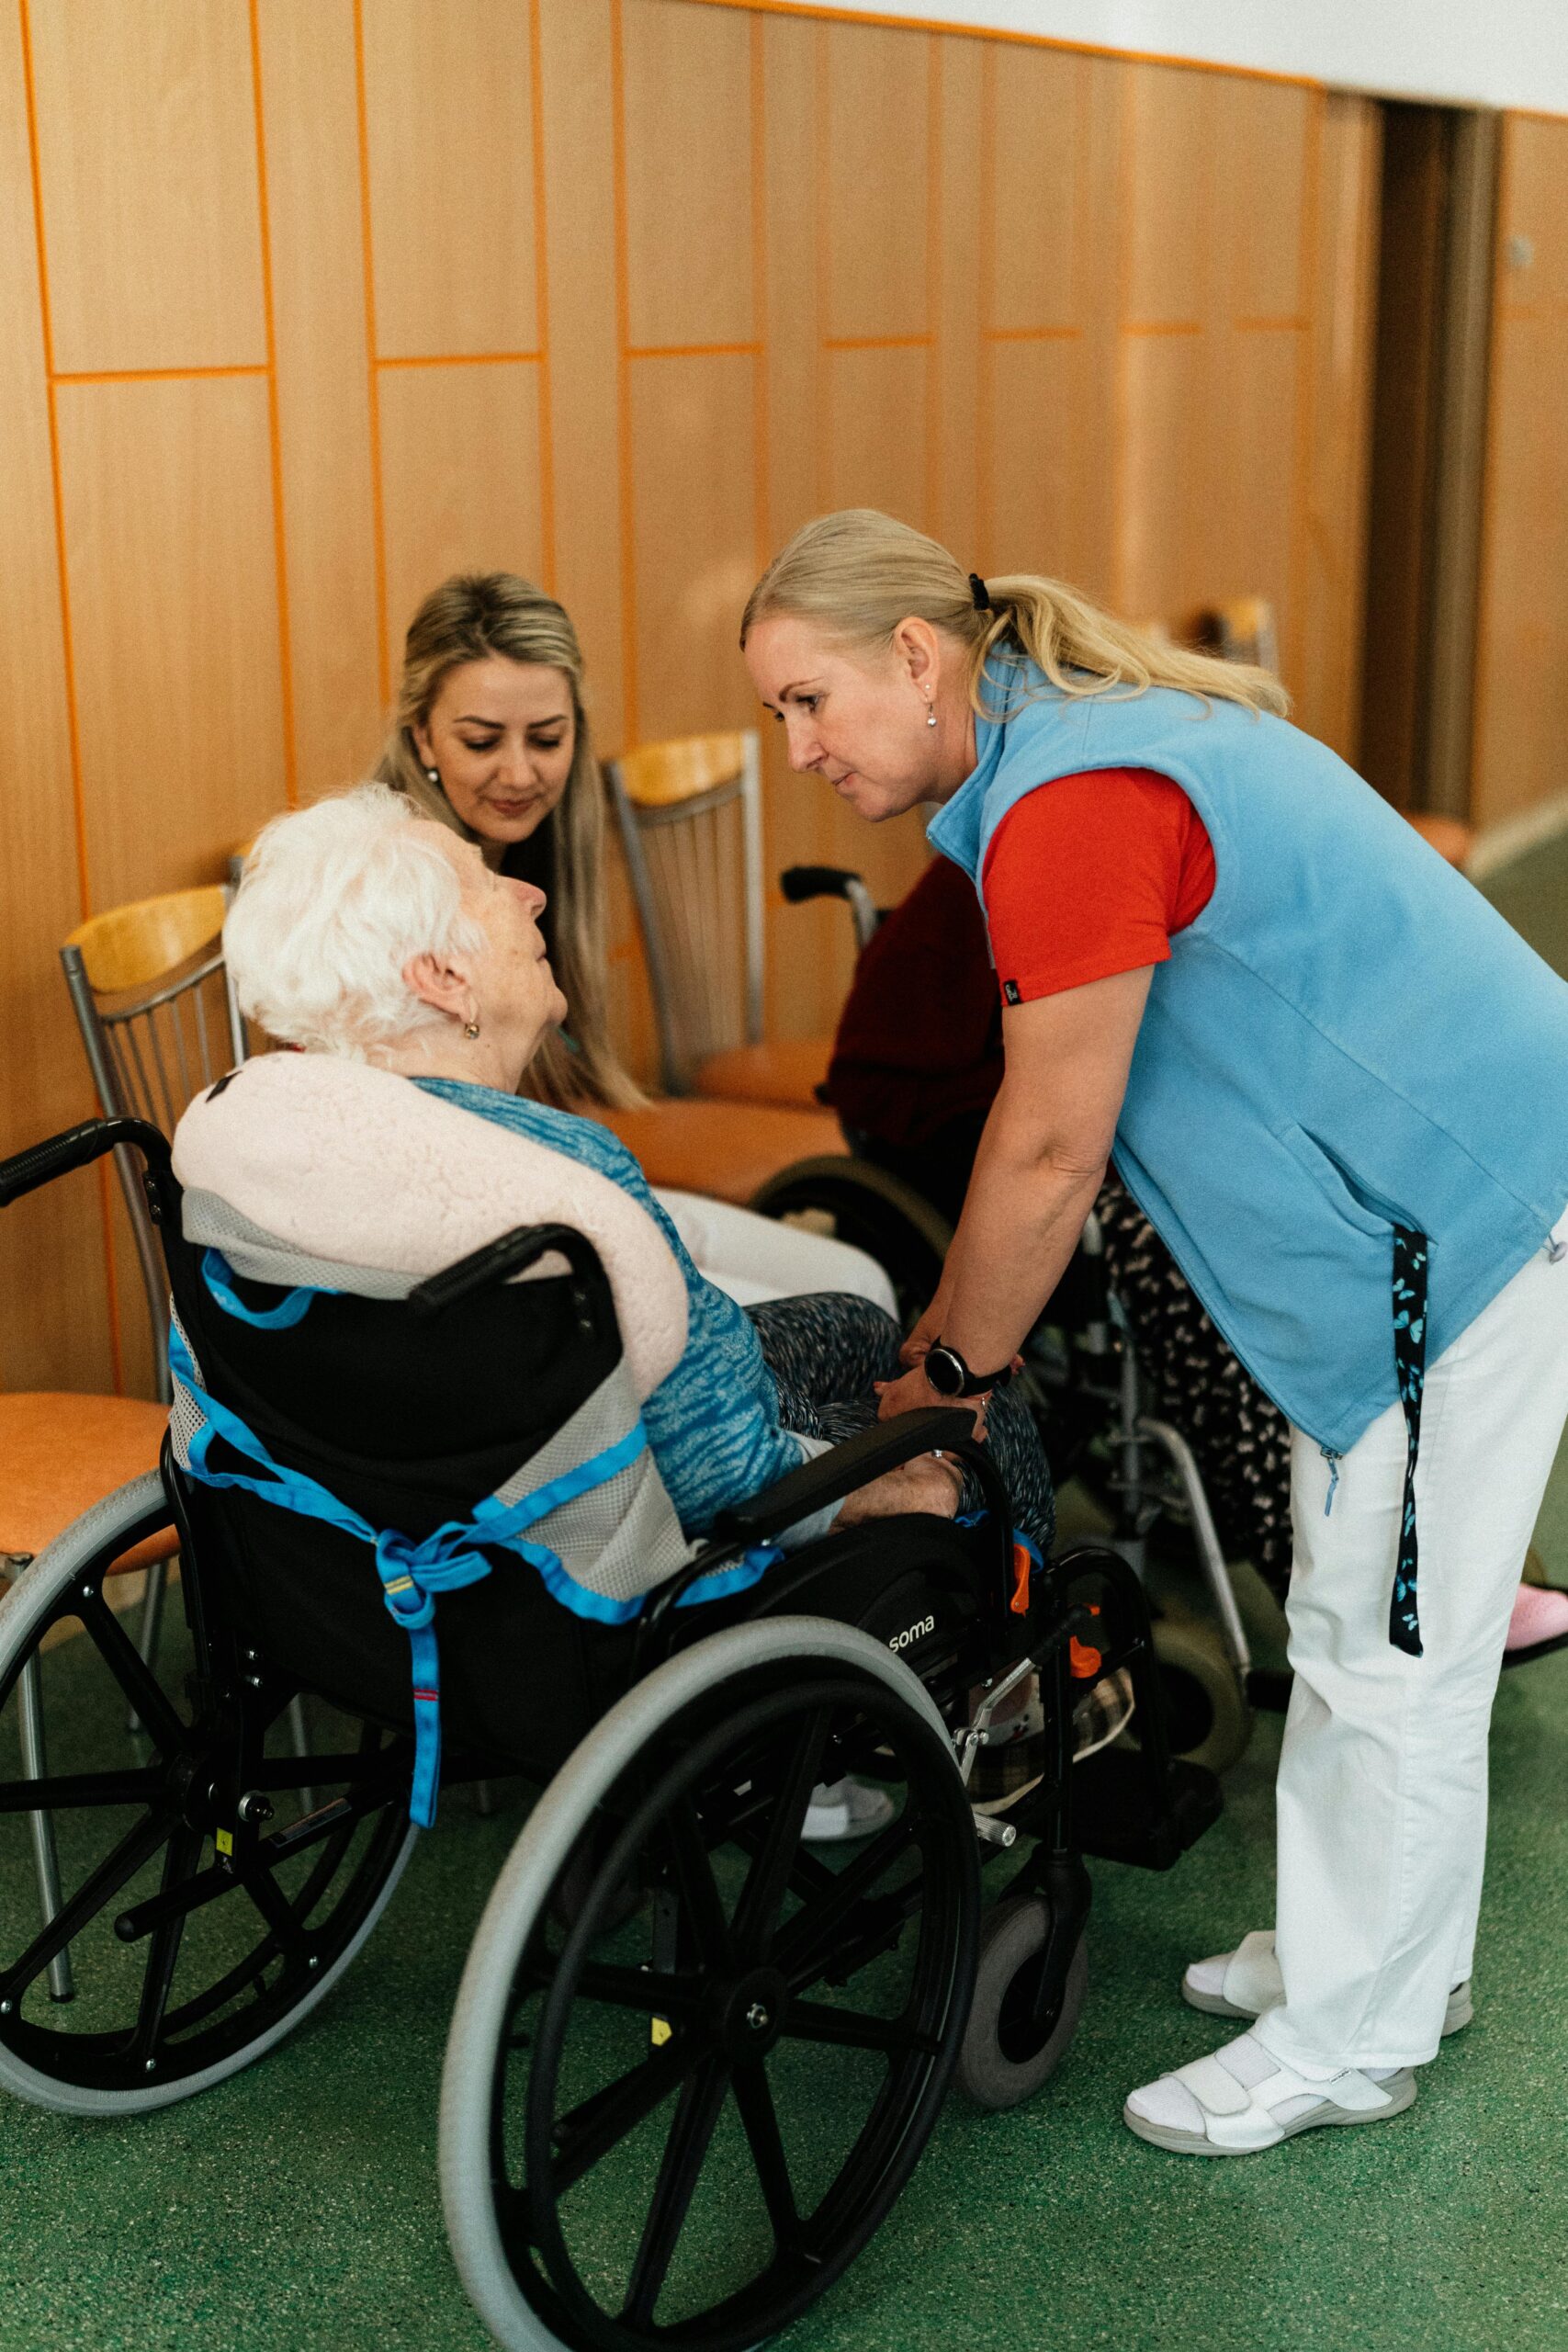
pixel 756 1258
pixel 1381 1795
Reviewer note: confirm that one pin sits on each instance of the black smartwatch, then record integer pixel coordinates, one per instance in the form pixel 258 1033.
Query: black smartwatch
pixel 948 1374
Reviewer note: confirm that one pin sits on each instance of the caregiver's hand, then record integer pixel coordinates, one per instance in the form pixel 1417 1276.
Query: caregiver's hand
pixel 912 1392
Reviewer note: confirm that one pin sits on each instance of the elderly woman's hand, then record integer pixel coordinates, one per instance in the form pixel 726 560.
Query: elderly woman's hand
pixel 930 1483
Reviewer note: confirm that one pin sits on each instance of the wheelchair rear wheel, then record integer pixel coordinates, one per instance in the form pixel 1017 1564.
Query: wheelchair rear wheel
pixel 182 1896
pixel 684 2128
pixel 862 1204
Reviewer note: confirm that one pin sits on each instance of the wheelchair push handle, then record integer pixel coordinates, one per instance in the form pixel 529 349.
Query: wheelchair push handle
pixel 799 883
pixel 78 1148
pixel 498 1261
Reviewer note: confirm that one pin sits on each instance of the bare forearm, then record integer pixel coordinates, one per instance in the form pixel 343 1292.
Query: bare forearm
pixel 1020 1224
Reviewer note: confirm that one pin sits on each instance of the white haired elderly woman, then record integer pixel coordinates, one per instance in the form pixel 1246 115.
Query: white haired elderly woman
pixel 365 931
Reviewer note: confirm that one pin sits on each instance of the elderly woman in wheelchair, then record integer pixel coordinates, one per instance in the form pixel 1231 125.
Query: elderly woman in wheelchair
pixel 464 1448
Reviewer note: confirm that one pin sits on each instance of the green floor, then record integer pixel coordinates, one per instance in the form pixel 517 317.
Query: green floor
pixel 295 2207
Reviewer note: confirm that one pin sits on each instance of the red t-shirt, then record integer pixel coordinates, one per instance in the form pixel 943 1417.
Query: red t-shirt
pixel 1091 875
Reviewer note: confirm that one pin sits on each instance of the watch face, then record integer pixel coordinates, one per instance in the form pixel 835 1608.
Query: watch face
pixel 944 1372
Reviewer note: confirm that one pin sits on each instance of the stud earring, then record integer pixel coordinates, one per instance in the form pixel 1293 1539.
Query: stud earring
pixel 471 1028
pixel 930 712
pixel 434 774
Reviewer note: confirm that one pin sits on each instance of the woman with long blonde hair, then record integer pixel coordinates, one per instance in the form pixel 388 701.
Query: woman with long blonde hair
pixel 1330 1076
pixel 492 738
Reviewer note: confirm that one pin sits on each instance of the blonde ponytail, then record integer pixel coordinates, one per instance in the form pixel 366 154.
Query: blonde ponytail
pixel 859 573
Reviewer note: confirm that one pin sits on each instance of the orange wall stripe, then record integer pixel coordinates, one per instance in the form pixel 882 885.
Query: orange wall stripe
pixel 691 350
pixel 758 95
pixel 1162 326
pixel 1018 39
pixel 623 375
pixel 68 653
pixel 280 547
pixel 985 429
pixel 458 360
pixel 149 375
pixel 377 512
pixel 542 302
pixel 933 284
pixel 876 342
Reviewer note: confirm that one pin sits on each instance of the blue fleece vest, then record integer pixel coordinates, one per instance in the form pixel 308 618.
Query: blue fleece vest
pixel 1347 1038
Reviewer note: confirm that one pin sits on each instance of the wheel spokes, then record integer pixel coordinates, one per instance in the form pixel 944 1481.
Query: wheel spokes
pixel 600 2124
pixel 754 2097
pixel 120 1863
pixel 135 1677
pixel 179 1862
pixel 699 1889
pixel 650 1990
pixel 756 1914
pixel 805 1947
pixel 852 2030
pixel 690 2130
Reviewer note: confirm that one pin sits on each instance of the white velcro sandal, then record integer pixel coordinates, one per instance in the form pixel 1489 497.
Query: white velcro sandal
pixel 1243 1982
pixel 1242 2099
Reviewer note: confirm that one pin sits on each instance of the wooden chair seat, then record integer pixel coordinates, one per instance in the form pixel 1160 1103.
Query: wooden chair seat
pixel 60 1453
pixel 788 1071
pixel 725 1149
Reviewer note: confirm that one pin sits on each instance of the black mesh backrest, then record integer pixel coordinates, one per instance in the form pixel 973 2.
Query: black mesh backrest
pixel 410 1421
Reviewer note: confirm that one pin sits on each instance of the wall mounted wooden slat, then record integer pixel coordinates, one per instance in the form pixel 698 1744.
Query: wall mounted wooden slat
pixel 617 292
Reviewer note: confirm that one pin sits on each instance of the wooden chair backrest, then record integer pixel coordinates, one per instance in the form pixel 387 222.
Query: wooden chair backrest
pixel 691 820
pixel 159 1023
pixel 133 946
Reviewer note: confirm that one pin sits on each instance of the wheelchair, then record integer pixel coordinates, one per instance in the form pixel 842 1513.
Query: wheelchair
pixel 673 2008
pixel 1087 1391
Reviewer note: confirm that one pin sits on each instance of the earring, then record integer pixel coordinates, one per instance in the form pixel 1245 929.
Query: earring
pixel 434 774
pixel 930 712
pixel 471 1028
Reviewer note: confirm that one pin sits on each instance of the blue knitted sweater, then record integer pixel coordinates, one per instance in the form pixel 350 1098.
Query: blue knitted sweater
pixel 713 1423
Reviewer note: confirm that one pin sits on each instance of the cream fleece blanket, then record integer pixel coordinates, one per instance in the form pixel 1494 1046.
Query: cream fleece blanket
pixel 357 1168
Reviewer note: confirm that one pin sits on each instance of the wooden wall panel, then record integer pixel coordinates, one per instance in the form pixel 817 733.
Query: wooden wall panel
pixel 461 477
pixel 688 161
pixel 54 1329
pixel 693 538
pixel 617 293
pixel 449 121
pixel 147 159
pixel 169 549
pixel 1343 295
pixel 1521 719
pixel 326 482
pixel 873 109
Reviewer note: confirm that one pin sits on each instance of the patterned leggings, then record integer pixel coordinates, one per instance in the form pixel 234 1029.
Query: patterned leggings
pixel 825 1352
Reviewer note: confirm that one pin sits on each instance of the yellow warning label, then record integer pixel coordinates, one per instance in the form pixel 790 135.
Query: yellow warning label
pixel 659 2031
pixel 224 1842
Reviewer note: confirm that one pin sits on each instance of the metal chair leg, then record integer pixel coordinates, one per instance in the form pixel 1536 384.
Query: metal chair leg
pixel 152 1619
pixel 46 1858
pixel 1210 1551
pixel 484 1799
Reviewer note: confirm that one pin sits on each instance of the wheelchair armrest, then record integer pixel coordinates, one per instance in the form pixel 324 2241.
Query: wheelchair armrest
pixel 799 883
pixel 498 1261
pixel 76 1147
pixel 828 1477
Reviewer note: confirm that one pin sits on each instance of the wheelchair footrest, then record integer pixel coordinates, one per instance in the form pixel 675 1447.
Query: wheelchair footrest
pixel 1114 1818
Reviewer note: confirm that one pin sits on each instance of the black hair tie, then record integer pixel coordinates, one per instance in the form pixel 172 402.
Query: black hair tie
pixel 981 594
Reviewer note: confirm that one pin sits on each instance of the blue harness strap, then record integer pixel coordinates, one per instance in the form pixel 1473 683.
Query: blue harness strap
pixel 411 1574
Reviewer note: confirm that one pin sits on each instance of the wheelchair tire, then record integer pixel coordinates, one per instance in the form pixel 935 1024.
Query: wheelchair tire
pixel 1208 1717
pixel 733 2078
pixel 1005 2059
pixel 122 2023
pixel 877 1213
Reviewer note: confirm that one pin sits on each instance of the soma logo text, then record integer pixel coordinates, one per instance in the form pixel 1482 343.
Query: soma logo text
pixel 912 1633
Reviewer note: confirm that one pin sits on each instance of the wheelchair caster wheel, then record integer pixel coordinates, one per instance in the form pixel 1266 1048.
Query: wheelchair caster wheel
pixel 1209 1721
pixel 1004 2060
